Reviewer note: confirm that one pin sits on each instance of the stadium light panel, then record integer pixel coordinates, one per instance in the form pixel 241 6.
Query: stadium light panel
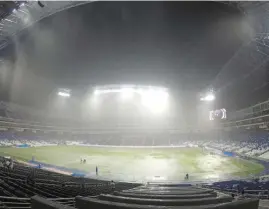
pixel 63 94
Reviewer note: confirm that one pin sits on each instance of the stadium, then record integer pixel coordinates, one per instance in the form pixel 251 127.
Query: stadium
pixel 104 107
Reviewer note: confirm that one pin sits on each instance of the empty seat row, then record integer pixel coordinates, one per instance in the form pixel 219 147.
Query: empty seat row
pixel 93 203
pixel 164 196
pixel 24 182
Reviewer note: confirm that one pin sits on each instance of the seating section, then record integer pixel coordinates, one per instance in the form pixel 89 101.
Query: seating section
pixel 245 143
pixel 13 116
pixel 159 196
pixel 258 187
pixel 22 181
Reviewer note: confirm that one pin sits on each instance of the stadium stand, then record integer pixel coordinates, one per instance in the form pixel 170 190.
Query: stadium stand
pixel 258 188
pixel 21 183
pixel 25 187
pixel 159 196
pixel 249 143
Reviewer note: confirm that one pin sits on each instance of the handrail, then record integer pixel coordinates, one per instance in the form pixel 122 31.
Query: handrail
pixel 9 207
pixel 237 121
pixel 18 203
pixel 14 198
pixel 62 198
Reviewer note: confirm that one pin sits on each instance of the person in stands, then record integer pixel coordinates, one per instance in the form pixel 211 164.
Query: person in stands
pixel 243 192
pixel 30 178
pixel 7 164
pixel 113 186
pixel 11 165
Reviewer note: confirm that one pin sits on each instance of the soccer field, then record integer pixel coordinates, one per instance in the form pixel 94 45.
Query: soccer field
pixel 139 164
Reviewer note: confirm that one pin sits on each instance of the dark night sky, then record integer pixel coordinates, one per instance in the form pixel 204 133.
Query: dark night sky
pixel 182 45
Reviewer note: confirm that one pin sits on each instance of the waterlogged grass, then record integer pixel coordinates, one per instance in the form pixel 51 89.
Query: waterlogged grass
pixel 172 163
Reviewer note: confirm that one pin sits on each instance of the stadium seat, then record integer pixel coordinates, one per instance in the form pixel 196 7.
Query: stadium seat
pixel 42 203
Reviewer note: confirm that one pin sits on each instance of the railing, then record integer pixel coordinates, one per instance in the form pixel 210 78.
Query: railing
pixel 261 194
pixel 64 201
pixel 15 202
pixel 208 177
pixel 25 203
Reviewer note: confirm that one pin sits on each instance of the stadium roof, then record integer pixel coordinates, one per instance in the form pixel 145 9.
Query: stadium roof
pixel 246 74
pixel 17 15
pixel 234 78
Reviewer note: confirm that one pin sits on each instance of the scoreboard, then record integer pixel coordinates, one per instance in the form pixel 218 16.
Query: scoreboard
pixel 217 114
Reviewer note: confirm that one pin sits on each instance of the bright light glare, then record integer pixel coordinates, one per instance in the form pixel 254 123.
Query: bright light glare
pixel 63 94
pixel 127 93
pixel 209 97
pixel 127 90
pixel 155 100
pixel 96 92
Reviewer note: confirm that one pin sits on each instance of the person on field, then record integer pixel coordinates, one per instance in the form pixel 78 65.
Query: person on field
pixel 96 171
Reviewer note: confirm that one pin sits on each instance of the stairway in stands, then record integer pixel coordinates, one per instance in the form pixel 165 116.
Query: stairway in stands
pixel 165 196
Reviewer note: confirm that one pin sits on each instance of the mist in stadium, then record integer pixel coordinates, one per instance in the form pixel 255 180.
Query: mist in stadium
pixel 134 105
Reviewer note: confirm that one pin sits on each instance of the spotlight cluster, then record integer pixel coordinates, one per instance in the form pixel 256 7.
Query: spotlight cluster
pixel 153 98
pixel 64 92
pixel 209 96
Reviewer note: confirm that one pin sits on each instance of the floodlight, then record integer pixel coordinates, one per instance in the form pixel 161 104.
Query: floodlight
pixel 155 100
pixel 209 97
pixel 126 93
pixel 96 92
pixel 63 94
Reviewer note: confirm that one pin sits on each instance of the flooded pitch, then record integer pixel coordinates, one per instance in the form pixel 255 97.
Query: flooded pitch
pixel 141 164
